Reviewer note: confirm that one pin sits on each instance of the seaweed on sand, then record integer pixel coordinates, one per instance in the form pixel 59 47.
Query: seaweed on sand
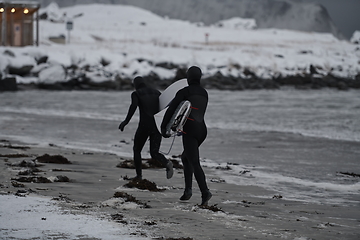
pixel 129 198
pixel 142 184
pixel 46 158
pixel 213 208
pixel 147 163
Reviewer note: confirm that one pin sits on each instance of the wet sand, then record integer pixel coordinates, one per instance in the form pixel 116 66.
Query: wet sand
pixel 234 212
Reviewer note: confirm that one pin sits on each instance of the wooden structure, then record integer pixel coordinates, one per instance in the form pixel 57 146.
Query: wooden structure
pixel 17 23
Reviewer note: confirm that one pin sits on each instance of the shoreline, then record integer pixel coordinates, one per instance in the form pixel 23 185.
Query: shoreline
pixel 236 211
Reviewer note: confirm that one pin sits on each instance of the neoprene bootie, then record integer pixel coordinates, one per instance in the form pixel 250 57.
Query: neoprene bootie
pixel 187 194
pixel 169 170
pixel 205 197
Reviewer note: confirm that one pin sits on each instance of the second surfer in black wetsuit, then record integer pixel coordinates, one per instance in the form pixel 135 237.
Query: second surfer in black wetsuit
pixel 194 134
pixel 147 99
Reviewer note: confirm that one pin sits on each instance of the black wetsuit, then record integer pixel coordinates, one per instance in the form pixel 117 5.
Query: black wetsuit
pixel 195 130
pixel 147 99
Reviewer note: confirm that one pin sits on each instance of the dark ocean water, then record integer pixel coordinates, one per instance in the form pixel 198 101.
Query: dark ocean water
pixel 328 120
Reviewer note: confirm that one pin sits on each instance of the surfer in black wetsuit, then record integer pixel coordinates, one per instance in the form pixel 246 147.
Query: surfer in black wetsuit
pixel 194 134
pixel 147 99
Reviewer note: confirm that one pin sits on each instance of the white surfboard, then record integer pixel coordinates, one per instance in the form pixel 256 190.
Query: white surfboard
pixel 166 97
pixel 178 119
pixel 170 92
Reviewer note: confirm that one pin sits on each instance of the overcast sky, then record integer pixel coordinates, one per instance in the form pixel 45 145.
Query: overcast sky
pixel 344 13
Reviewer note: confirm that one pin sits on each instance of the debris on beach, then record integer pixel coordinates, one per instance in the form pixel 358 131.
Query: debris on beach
pixel 129 198
pixel 147 163
pixel 142 184
pixel 17 184
pixel 217 180
pixel 59 178
pixel 33 179
pixel 58 159
pixel 246 203
pixel 226 168
pixel 117 217
pixel 40 179
pixel 213 208
pixel 151 223
pixel 30 171
pixel 277 196
pixel 25 164
pixel 126 164
pixel 350 174
pixel 62 198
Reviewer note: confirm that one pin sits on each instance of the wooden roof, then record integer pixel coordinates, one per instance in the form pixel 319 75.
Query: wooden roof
pixel 20 4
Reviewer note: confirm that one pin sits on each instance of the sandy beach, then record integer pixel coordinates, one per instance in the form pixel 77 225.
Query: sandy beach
pixel 95 184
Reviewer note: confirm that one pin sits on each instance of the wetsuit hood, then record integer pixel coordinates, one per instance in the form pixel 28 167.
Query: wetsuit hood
pixel 194 75
pixel 138 82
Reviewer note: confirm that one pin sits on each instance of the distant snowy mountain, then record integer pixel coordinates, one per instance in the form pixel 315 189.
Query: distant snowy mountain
pixel 109 45
pixel 280 14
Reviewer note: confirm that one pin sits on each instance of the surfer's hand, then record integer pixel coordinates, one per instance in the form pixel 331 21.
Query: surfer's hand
pixel 122 125
pixel 163 133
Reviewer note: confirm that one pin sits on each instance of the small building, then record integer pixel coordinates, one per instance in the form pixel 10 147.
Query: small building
pixel 17 23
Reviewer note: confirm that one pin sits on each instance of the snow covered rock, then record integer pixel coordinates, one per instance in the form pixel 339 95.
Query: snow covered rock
pixel 52 74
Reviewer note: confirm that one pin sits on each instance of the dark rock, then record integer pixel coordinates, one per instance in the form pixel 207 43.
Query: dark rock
pixel 180 73
pixel 248 72
pixel 293 80
pixel 306 52
pixel 42 59
pixel 53 86
pixel 43 16
pixel 342 86
pixel 46 158
pixel 167 65
pixel 20 71
pixel 61 179
pixel 312 69
pixel 8 84
pixel 34 179
pixel 104 62
pixel 270 84
pixel 123 83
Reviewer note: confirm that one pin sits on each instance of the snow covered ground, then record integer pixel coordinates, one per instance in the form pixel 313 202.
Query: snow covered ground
pixel 131 41
pixel 36 217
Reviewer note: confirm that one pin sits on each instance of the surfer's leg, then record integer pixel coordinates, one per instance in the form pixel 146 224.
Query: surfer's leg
pixel 188 173
pixel 139 142
pixel 191 151
pixel 155 141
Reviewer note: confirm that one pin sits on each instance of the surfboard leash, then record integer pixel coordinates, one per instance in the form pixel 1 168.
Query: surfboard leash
pixel 170 146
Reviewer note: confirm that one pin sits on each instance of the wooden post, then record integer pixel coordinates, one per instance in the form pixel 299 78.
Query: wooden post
pixel 37 27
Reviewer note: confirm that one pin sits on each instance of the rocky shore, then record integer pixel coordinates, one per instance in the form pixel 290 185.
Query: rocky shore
pixel 37 71
pixel 79 79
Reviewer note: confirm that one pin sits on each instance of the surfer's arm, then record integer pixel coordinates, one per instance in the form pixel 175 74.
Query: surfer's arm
pixel 131 111
pixel 170 111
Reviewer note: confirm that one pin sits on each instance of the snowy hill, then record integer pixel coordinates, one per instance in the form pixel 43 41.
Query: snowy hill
pixel 114 43
pixel 280 14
